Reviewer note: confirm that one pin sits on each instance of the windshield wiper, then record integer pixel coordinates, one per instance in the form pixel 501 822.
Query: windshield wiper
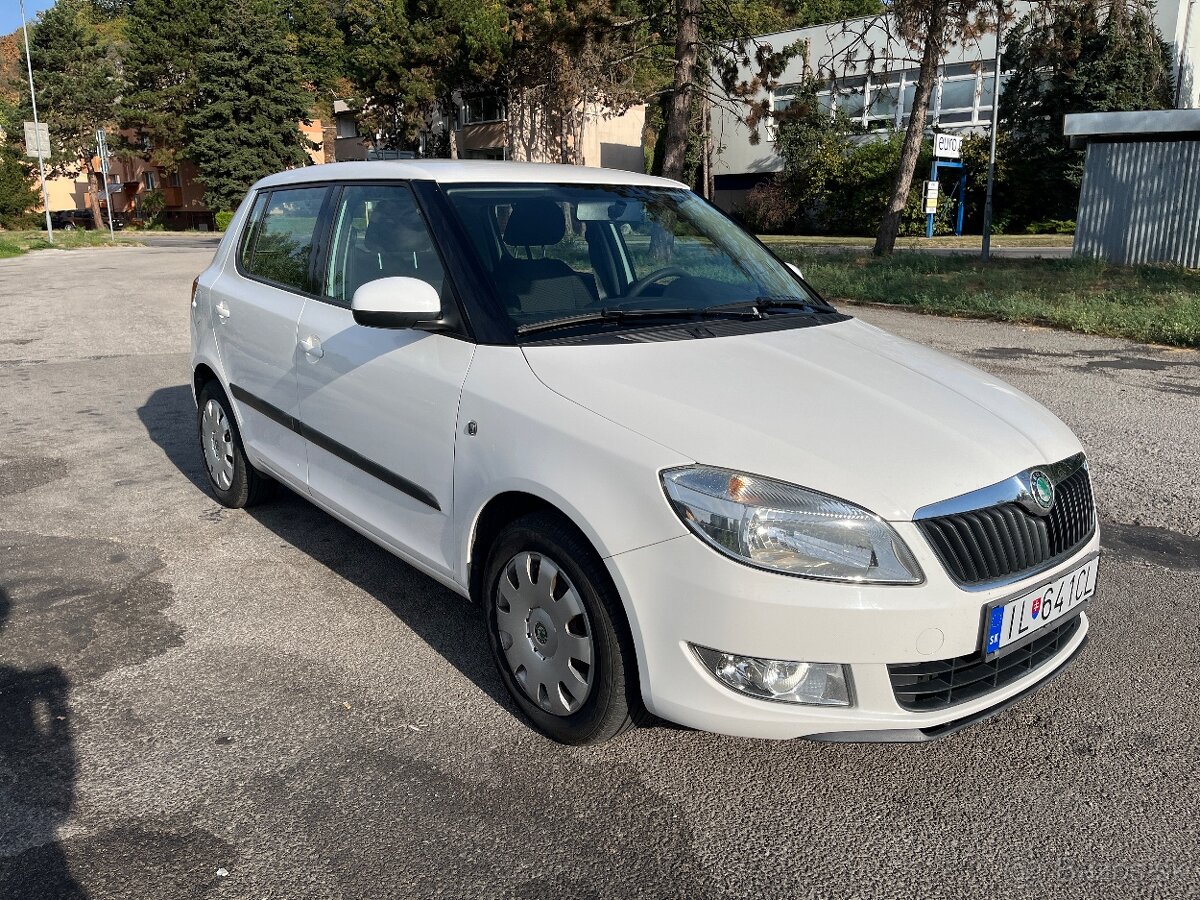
pixel 760 305
pixel 621 315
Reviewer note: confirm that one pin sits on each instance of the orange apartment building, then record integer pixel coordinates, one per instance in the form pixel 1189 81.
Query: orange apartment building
pixel 486 129
pixel 131 179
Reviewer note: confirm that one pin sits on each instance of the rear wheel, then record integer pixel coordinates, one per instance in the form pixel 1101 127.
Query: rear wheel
pixel 234 481
pixel 558 632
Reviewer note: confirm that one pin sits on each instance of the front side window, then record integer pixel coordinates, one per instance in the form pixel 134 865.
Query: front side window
pixel 282 252
pixel 379 232
pixel 565 250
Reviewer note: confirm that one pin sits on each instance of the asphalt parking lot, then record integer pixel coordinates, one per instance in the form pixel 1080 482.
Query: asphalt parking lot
pixel 197 702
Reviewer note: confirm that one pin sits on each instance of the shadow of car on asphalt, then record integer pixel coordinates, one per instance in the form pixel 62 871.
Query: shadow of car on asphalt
pixel 448 623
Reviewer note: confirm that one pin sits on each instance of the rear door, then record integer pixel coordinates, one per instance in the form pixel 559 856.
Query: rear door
pixel 256 310
pixel 380 406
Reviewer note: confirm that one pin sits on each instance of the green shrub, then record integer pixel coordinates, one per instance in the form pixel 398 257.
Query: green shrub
pixel 1051 226
pixel 224 217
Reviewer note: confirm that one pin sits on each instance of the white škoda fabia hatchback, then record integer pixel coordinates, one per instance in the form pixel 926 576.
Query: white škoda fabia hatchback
pixel 675 480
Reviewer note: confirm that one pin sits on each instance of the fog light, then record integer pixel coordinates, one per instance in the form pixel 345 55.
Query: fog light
pixel 786 681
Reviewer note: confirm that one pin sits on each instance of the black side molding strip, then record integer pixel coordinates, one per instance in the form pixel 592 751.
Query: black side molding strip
pixel 354 458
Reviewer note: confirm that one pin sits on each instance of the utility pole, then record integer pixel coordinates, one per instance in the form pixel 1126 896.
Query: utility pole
pixel 37 130
pixel 102 149
pixel 987 203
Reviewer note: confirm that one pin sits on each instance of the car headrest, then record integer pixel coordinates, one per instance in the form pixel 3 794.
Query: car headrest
pixel 380 235
pixel 534 223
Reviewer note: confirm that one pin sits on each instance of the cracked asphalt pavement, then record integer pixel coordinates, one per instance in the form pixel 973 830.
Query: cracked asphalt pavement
pixel 197 702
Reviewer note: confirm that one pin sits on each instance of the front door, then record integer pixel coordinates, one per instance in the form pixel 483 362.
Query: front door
pixel 379 406
pixel 256 312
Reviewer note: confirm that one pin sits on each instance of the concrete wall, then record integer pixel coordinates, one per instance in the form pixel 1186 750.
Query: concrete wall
pixel 1140 202
pixel 614 142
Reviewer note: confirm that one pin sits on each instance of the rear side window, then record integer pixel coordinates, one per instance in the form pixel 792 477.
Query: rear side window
pixel 253 221
pixel 281 251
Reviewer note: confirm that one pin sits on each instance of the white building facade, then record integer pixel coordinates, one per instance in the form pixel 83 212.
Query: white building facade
pixel 872 79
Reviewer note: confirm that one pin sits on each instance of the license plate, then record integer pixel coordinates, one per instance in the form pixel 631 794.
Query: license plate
pixel 1010 622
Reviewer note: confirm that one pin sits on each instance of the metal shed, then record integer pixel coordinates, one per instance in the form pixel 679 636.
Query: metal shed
pixel 1140 197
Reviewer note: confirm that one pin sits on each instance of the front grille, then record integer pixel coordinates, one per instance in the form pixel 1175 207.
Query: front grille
pixel 1006 541
pixel 929 686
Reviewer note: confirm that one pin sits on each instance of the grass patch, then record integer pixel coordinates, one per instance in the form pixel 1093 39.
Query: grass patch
pixel 949 242
pixel 1152 304
pixel 14 243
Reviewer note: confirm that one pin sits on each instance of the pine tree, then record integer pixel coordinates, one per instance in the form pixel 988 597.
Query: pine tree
pixel 17 192
pixel 166 39
pixel 251 99
pixel 77 85
pixel 1071 57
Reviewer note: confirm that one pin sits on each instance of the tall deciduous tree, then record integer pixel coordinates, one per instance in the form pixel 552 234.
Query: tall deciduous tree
pixel 407 57
pixel 251 100
pixel 928 27
pixel 77 86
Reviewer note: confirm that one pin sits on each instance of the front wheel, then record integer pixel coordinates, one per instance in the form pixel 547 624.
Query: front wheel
pixel 234 481
pixel 558 632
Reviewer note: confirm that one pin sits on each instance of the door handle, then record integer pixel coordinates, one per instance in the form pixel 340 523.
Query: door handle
pixel 222 309
pixel 312 347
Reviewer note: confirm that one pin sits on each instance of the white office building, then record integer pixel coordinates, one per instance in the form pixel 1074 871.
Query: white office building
pixel 962 99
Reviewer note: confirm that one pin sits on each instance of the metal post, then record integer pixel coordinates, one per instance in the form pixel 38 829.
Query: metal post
pixel 987 203
pixel 102 146
pixel 37 130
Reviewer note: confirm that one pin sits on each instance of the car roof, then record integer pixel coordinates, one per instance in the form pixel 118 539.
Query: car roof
pixel 449 171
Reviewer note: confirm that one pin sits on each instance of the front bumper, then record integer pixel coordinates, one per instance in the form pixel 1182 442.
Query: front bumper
pixel 682 592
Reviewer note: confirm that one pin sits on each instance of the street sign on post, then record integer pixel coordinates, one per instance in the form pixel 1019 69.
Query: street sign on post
pixel 947 146
pixel 37 140
pixel 931 197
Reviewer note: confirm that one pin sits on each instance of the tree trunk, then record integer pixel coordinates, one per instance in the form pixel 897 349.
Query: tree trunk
pixel 93 194
pixel 935 37
pixel 679 113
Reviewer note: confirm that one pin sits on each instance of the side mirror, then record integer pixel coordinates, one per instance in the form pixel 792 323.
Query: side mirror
pixel 795 268
pixel 395 303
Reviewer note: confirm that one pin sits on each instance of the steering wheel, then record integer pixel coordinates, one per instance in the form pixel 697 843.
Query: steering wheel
pixel 635 289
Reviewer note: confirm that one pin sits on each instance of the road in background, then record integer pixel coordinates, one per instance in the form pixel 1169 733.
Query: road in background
pixel 198 702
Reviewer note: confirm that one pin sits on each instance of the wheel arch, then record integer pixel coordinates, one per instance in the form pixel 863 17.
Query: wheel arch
pixel 507 507
pixel 201 376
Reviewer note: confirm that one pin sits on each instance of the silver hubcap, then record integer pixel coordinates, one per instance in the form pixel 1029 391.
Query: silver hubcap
pixel 544 633
pixel 217 438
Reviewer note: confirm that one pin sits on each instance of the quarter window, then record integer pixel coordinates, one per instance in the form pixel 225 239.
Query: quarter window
pixel 282 251
pixel 253 223
pixel 379 232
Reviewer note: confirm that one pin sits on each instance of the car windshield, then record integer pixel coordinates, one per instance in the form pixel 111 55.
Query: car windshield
pixel 583 255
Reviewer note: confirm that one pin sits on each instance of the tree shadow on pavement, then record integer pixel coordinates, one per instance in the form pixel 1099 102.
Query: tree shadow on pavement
pixel 447 622
pixel 37 775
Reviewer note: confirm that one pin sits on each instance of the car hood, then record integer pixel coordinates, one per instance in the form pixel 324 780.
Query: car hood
pixel 844 408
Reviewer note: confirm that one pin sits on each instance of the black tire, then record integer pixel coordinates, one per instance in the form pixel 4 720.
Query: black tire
pixel 613 704
pixel 248 486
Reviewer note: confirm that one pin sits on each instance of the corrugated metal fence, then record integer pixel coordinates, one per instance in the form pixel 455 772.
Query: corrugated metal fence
pixel 1140 202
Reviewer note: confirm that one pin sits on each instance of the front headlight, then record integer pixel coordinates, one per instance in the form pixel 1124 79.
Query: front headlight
pixel 778 526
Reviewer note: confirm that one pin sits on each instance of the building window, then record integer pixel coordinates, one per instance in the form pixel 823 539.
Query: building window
pixel 347 127
pixel 957 95
pixel 173 180
pixel 487 108
pixel 962 96
pixel 150 179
